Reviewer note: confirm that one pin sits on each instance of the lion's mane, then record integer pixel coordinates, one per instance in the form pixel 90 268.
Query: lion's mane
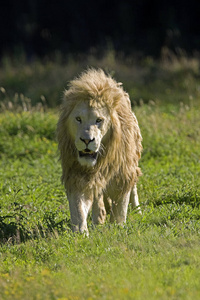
pixel 123 150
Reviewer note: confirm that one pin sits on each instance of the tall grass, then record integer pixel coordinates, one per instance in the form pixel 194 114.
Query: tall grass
pixel 172 79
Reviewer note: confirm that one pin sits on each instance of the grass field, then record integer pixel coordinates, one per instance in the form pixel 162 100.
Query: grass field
pixel 156 254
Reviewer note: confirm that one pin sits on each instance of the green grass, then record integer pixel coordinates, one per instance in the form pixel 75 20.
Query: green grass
pixel 154 256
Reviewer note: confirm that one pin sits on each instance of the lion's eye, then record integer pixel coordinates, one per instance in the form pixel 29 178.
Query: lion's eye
pixel 78 119
pixel 98 120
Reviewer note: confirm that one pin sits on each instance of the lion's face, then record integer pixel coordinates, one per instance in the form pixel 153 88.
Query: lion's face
pixel 89 129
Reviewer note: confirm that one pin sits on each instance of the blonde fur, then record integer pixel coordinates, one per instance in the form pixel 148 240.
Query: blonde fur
pixel 116 171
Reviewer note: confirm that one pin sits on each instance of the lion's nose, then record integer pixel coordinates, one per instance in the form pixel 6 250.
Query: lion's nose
pixel 87 141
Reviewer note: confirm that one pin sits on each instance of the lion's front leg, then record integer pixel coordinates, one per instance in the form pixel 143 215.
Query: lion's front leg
pixel 119 209
pixel 79 208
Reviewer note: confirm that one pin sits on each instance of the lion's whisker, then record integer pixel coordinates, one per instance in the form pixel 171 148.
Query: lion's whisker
pixel 102 150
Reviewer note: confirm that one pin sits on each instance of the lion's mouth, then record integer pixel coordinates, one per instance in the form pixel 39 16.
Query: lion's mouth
pixel 87 153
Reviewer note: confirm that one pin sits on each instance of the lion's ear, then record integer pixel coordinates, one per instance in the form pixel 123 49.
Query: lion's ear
pixel 66 93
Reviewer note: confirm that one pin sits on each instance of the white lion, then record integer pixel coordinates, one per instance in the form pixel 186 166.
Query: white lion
pixel 100 145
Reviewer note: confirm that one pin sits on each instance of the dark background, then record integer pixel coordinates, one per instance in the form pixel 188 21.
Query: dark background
pixel 42 27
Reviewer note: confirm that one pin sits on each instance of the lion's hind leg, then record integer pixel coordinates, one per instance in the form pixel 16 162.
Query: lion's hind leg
pixel 98 210
pixel 107 203
pixel 134 199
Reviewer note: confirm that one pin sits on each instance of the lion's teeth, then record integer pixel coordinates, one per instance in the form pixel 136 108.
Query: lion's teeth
pixel 88 151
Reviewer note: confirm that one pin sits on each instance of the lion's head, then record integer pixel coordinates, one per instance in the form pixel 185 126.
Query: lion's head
pixel 98 135
pixel 89 127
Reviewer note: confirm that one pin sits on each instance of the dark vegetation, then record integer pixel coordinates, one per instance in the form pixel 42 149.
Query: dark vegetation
pixel 41 28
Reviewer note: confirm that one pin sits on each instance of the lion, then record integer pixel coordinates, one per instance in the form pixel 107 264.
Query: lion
pixel 99 141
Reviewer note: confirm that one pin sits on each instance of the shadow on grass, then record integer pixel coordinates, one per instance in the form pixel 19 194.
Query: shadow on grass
pixel 15 228
pixel 188 196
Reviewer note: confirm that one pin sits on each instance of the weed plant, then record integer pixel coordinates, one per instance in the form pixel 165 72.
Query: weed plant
pixel 155 255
